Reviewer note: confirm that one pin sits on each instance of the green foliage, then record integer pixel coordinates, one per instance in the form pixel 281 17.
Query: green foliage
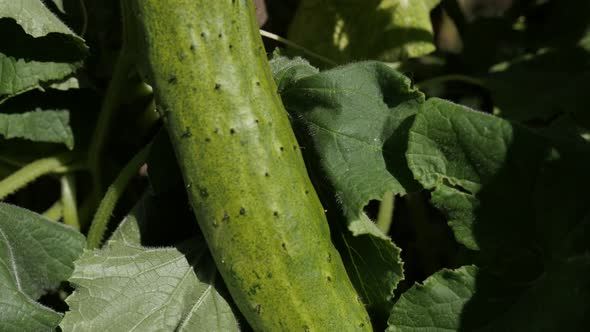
pixel 44 51
pixel 19 75
pixel 39 126
pixel 437 304
pixel 388 30
pixel 350 114
pixel 35 19
pixel 36 254
pixel 169 288
pixel 507 194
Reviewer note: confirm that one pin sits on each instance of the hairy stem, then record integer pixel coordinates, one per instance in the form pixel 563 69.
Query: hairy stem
pixel 385 216
pixel 32 171
pixel 114 192
pixel 68 198
pixel 55 211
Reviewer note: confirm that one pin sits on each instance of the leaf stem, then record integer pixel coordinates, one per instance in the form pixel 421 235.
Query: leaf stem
pixel 55 211
pixel 32 171
pixel 289 43
pixel 385 215
pixel 114 192
pixel 68 199
pixel 450 78
pixel 72 167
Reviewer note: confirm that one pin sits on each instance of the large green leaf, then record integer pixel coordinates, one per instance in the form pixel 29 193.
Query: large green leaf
pixel 356 118
pixel 509 193
pixel 456 151
pixel 19 75
pixel 343 31
pixel 351 114
pixel 40 126
pixel 437 304
pixel 36 254
pixel 128 286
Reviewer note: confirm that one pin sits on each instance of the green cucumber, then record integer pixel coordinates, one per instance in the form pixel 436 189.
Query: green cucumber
pixel 242 166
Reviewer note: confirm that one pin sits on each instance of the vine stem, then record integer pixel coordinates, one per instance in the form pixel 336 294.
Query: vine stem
pixel 55 211
pixel 385 216
pixel 287 42
pixel 32 171
pixel 114 192
pixel 68 199
pixel 451 78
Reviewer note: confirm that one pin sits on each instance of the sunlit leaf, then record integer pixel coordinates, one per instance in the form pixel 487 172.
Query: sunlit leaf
pixel 36 254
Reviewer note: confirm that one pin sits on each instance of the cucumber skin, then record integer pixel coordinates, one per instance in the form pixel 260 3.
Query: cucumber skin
pixel 245 176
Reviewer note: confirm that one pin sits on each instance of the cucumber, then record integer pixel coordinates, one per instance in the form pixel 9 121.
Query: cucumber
pixel 242 166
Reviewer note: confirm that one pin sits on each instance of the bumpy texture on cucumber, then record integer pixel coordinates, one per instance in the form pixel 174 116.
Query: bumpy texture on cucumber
pixel 242 166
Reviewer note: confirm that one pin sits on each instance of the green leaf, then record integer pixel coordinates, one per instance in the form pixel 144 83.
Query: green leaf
pixel 127 286
pixel 508 192
pixel 35 19
pixel 437 304
pixel 19 75
pixel 542 86
pixel 472 299
pixel 356 118
pixel 39 126
pixel 350 115
pixel 374 265
pixel 388 30
pixel 288 71
pixel 457 152
pixel 36 254
pixel 42 50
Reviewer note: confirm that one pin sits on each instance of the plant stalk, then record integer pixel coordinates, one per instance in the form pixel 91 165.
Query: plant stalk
pixel 114 192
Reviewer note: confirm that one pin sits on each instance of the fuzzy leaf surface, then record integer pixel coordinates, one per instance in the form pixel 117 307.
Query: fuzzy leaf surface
pixel 127 286
pixel 350 115
pixel 35 19
pixel 494 181
pixel 51 126
pixel 36 254
pixel 20 75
